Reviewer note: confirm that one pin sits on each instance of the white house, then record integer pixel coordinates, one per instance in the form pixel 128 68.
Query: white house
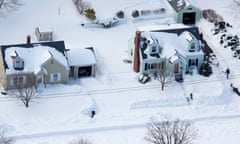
pixel 176 47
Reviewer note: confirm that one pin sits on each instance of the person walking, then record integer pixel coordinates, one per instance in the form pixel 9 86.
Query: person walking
pixel 227 72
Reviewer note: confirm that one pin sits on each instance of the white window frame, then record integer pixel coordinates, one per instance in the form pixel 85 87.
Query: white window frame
pixel 17 80
pixel 55 77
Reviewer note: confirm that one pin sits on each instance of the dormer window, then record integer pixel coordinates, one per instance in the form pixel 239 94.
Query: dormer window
pixel 154 49
pixel 18 63
pixel 192 47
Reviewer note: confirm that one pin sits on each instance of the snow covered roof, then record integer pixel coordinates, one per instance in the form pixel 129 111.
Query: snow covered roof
pixel 81 57
pixel 165 41
pixel 170 42
pixel 171 28
pixel 178 5
pixel 33 55
pixel 45 29
pixel 163 27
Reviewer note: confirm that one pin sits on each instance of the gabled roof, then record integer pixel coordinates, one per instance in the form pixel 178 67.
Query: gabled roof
pixel 178 5
pixel 171 28
pixel 170 39
pixel 34 54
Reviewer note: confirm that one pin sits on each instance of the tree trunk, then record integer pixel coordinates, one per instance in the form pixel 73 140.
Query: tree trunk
pixel 27 104
pixel 162 86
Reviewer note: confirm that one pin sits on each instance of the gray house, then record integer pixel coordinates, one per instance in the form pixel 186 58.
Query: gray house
pixel 175 47
pixel 33 64
pixel 185 12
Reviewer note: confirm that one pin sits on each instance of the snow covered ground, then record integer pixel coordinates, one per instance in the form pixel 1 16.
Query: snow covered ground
pixel 123 106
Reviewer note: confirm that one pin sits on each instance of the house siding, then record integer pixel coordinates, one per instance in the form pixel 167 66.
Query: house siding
pixel 2 71
pixel 53 66
pixel 29 80
pixel 148 63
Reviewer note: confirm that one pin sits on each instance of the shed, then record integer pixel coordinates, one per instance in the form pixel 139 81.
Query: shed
pixel 44 33
pixel 82 62
pixel 185 12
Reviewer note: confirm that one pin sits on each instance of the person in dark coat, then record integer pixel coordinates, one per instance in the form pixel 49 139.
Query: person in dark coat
pixel 93 113
pixel 227 72
pixel 191 96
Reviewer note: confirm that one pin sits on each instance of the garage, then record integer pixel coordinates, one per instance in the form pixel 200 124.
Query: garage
pixel 84 71
pixel 184 12
pixel 82 62
pixel 189 18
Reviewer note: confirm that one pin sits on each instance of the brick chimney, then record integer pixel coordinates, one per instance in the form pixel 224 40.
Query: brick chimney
pixel 28 39
pixel 136 62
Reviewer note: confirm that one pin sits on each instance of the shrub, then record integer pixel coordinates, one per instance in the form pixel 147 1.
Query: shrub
pixel 160 10
pixel 90 13
pixel 135 13
pixel 120 14
pixel 211 16
pixel 145 12
pixel 206 69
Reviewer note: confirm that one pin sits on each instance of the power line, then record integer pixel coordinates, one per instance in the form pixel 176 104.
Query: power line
pixel 120 90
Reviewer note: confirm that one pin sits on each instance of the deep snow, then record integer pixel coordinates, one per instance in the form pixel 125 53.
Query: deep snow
pixel 123 106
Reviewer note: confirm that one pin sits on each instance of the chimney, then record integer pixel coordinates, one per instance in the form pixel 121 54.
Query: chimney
pixel 136 62
pixel 28 40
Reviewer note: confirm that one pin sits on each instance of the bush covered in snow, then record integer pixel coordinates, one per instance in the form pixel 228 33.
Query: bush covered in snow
pixel 206 69
pixel 135 13
pixel 211 16
pixel 120 14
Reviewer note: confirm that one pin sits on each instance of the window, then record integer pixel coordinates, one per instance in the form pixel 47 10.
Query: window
pixel 18 64
pixel 152 66
pixel 146 66
pixel 18 80
pixel 154 49
pixel 39 79
pixel 193 62
pixel 55 77
pixel 15 81
pixel 192 47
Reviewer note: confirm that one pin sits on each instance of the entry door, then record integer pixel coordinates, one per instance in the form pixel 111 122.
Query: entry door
pixel 176 68
pixel 189 18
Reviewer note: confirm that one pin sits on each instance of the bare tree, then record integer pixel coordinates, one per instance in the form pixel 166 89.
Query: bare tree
pixel 82 5
pixel 170 132
pixel 163 74
pixel 80 141
pixel 4 139
pixel 7 6
pixel 25 92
